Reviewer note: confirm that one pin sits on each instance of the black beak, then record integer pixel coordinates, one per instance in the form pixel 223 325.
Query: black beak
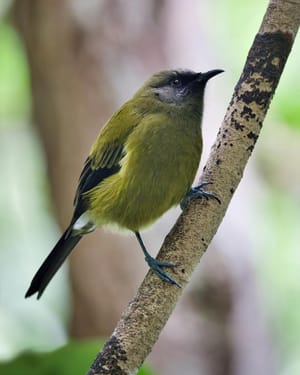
pixel 204 77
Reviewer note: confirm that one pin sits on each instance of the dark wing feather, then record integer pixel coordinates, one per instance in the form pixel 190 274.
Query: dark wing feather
pixel 93 173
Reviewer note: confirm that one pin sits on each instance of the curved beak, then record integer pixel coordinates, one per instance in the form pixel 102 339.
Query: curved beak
pixel 204 77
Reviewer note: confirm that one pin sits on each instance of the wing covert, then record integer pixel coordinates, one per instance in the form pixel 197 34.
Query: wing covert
pixel 94 172
pixel 106 153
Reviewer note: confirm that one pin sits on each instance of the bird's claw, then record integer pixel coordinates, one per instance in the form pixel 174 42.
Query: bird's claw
pixel 156 267
pixel 196 192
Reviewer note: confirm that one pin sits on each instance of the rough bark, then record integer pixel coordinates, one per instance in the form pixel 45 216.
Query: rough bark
pixel 146 315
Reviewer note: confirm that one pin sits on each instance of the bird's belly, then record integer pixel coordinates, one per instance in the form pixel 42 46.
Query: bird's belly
pixel 135 200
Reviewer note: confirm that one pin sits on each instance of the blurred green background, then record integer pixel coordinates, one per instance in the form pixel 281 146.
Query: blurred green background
pixel 27 222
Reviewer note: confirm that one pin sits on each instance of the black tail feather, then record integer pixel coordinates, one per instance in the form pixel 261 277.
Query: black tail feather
pixel 52 263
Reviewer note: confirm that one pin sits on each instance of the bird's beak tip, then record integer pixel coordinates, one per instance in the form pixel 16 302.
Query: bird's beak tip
pixel 211 73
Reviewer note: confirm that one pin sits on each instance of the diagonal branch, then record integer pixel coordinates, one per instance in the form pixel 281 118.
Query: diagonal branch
pixel 146 315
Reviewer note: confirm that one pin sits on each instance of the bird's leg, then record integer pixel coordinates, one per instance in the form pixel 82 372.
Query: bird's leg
pixel 196 192
pixel 155 264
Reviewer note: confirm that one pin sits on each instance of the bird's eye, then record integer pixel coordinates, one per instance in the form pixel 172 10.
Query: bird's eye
pixel 175 82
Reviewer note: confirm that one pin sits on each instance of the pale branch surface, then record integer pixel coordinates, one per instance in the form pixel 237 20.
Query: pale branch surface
pixel 146 315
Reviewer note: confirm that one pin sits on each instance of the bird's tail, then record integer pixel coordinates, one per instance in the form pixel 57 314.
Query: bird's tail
pixel 52 263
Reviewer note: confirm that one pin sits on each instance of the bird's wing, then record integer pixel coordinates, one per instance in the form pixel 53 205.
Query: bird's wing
pixel 105 156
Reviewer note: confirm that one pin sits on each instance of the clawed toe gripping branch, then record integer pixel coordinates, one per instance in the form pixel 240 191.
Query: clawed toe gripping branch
pixel 198 192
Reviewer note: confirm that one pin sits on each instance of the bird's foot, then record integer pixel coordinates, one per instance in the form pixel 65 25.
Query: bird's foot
pixel 196 192
pixel 156 267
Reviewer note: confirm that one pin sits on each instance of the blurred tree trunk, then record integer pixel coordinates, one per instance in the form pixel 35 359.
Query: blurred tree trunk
pixel 77 61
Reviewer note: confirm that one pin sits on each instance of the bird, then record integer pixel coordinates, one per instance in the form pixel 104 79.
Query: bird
pixel 142 163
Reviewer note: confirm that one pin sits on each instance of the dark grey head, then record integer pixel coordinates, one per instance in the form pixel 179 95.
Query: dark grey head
pixel 176 86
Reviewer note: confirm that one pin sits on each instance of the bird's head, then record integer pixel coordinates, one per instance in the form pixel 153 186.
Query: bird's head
pixel 177 86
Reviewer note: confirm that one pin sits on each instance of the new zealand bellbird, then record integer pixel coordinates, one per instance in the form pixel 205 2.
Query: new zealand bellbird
pixel 143 162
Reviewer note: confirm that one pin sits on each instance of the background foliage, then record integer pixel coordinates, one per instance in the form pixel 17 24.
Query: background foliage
pixel 27 223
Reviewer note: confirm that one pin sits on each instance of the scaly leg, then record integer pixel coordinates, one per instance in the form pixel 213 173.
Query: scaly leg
pixel 155 264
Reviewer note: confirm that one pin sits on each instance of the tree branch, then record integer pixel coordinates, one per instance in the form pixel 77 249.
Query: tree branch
pixel 146 315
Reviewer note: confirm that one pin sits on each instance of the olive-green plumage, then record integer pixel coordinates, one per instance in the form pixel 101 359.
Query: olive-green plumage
pixel 142 163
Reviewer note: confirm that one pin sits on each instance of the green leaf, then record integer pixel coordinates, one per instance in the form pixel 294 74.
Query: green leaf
pixel 74 358
pixel 15 95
